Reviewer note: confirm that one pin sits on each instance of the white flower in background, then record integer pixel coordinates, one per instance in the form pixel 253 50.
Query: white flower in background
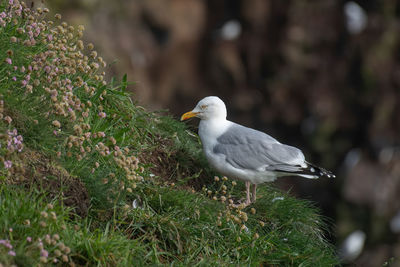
pixel 356 17
pixel 395 223
pixel 352 246
pixel 231 30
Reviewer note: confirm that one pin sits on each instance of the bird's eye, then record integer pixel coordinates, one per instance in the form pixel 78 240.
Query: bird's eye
pixel 203 106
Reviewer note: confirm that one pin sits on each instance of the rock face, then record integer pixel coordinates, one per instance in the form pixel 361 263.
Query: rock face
pixel 291 68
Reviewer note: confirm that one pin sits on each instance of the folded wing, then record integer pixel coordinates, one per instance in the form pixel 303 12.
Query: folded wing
pixel 245 148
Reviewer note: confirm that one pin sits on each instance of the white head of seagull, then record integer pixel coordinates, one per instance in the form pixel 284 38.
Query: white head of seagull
pixel 210 107
pixel 246 154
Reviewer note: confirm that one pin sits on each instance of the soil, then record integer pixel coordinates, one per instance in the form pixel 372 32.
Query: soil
pixel 36 170
pixel 166 164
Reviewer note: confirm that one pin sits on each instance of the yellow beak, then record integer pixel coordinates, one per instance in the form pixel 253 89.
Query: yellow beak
pixel 188 115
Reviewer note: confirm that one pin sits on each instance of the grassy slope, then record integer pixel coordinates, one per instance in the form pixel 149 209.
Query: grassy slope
pixel 68 195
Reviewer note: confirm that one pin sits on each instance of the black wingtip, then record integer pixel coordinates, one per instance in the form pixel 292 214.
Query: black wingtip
pixel 312 169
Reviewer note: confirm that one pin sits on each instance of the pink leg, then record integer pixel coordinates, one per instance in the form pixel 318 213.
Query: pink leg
pixel 254 193
pixel 247 193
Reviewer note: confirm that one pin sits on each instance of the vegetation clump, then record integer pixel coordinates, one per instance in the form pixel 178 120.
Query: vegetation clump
pixel 80 176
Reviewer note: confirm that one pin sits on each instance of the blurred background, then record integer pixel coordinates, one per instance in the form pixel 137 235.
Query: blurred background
pixel 320 75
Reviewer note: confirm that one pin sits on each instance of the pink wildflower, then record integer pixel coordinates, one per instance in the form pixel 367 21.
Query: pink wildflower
pixel 8 119
pixel 7 164
pixel 8 60
pixel 14 78
pixel 12 253
pixel 14 132
pixel 29 239
pixel 6 243
pixel 102 114
pixel 44 253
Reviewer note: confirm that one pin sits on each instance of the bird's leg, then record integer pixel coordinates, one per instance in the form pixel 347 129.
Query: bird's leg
pixel 253 193
pixel 247 193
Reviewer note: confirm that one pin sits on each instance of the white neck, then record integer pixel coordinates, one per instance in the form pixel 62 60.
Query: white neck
pixel 211 129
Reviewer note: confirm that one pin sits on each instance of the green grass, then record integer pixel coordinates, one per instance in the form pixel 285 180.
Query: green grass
pixel 27 218
pixel 86 152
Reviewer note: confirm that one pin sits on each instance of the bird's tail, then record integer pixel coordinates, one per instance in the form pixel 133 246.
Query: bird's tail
pixel 313 172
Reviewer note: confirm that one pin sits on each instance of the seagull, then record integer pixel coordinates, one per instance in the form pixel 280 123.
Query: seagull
pixel 246 154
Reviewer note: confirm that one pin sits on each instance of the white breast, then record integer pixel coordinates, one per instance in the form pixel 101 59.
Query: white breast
pixel 210 130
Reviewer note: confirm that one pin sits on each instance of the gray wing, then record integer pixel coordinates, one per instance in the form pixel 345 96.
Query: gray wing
pixel 246 148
